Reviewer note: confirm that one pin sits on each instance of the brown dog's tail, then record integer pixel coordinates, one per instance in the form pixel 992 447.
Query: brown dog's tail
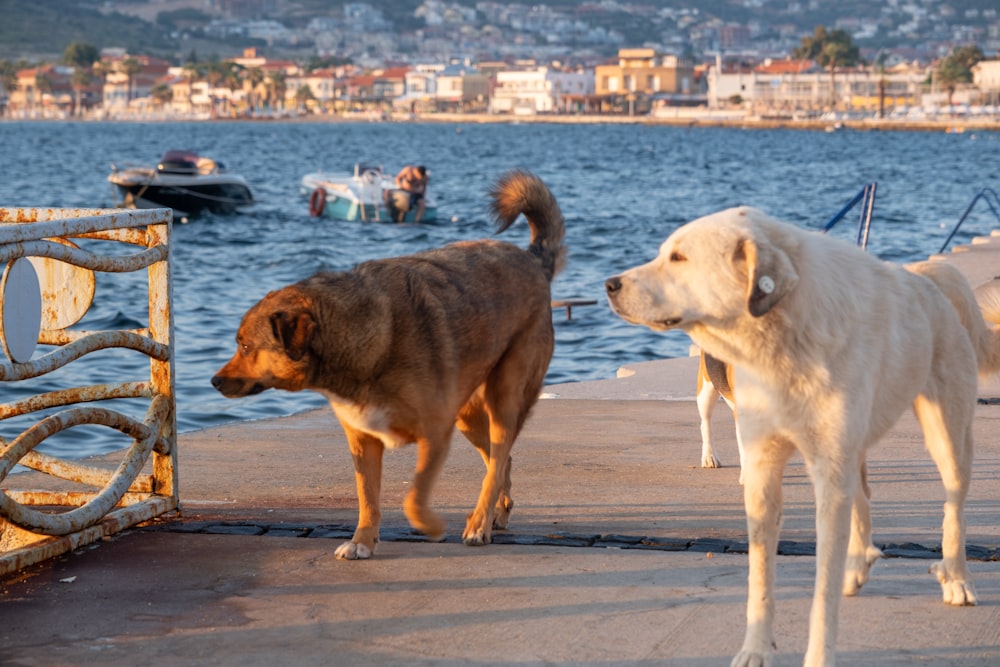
pixel 988 298
pixel 518 192
pixel 979 311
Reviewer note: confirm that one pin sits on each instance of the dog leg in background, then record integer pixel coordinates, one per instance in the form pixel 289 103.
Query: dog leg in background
pixel 474 424
pixel 708 396
pixel 861 553
pixel 366 450
pixel 506 398
pixel 715 380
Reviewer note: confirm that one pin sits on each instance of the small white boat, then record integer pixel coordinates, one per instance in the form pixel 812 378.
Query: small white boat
pixel 369 194
pixel 184 181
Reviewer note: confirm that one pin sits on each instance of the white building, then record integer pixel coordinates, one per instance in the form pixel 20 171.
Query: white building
pixel 986 77
pixel 540 90
pixel 792 87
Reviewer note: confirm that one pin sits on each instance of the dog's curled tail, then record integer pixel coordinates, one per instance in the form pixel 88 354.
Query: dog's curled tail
pixel 978 311
pixel 518 192
pixel 988 298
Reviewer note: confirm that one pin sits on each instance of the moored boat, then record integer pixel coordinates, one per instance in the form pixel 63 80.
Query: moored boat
pixel 369 194
pixel 184 181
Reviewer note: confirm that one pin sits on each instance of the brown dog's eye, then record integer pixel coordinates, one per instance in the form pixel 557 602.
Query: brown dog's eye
pixel 677 257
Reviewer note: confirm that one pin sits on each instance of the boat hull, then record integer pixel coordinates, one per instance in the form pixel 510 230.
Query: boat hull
pixel 350 210
pixel 188 200
pixel 356 199
pixel 185 190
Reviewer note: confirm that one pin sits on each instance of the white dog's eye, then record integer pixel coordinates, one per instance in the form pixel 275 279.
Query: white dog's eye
pixel 677 257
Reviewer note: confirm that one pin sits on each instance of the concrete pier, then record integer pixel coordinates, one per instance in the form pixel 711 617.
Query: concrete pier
pixel 621 550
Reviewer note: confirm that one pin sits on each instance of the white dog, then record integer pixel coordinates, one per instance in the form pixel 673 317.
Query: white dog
pixel 830 346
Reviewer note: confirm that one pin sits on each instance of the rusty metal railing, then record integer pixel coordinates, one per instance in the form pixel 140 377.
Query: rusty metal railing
pixel 49 257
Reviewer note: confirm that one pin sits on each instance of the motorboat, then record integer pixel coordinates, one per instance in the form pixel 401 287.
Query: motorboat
pixel 369 194
pixel 188 183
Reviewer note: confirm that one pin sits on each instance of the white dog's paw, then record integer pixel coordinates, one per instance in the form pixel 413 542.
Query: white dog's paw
pixel 709 461
pixel 956 591
pixel 858 569
pixel 353 551
pixel 751 659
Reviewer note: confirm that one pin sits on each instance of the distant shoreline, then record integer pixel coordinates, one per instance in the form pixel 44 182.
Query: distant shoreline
pixel 940 125
pixel 955 125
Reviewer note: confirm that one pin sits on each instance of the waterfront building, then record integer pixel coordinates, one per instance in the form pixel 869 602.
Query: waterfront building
pixel 541 90
pixel 638 75
pixel 45 91
pixel 130 77
pixel 462 87
pixel 986 77
pixel 800 88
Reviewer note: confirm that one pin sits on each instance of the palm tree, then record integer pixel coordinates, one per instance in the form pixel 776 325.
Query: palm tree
pixel 829 49
pixel 233 78
pixel 215 74
pixel 43 85
pixel 8 77
pixel 277 87
pixel 255 77
pixel 956 68
pixel 131 67
pixel 161 94
pixel 81 57
pixel 82 77
pixel 303 95
pixel 192 71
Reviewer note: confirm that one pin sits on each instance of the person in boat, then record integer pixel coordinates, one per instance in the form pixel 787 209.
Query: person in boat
pixel 413 180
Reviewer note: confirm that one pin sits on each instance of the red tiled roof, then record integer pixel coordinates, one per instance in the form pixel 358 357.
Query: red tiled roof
pixel 786 67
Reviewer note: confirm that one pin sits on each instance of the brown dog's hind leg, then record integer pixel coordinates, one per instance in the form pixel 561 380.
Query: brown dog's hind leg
pixel 508 396
pixel 431 453
pixel 367 453
pixel 474 424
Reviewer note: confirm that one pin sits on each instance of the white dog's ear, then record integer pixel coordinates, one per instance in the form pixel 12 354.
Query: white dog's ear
pixel 769 274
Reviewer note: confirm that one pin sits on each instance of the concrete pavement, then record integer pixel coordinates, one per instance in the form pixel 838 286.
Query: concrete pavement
pixel 621 551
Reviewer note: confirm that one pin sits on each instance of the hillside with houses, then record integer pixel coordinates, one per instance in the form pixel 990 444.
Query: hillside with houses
pixel 278 58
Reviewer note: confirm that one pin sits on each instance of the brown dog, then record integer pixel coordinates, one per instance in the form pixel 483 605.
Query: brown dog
pixel 715 380
pixel 409 347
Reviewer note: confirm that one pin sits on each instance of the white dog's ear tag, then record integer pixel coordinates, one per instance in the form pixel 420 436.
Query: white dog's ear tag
pixel 766 284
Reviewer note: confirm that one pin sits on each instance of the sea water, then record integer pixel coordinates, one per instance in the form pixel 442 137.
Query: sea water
pixel 622 190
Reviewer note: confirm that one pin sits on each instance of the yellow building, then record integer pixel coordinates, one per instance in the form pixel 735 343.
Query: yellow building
pixel 641 73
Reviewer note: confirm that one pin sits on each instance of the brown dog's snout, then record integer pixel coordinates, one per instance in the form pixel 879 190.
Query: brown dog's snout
pixel 235 387
pixel 613 284
pixel 224 385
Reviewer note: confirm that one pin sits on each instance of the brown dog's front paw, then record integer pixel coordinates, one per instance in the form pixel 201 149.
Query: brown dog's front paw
pixel 354 551
pixel 477 532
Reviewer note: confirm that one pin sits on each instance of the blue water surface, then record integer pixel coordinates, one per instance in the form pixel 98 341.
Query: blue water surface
pixel 622 188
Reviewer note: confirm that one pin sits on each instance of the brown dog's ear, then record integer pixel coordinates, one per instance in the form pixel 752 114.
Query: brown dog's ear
pixel 294 331
pixel 770 274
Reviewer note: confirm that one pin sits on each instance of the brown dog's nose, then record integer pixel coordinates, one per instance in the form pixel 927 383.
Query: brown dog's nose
pixel 217 382
pixel 612 284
